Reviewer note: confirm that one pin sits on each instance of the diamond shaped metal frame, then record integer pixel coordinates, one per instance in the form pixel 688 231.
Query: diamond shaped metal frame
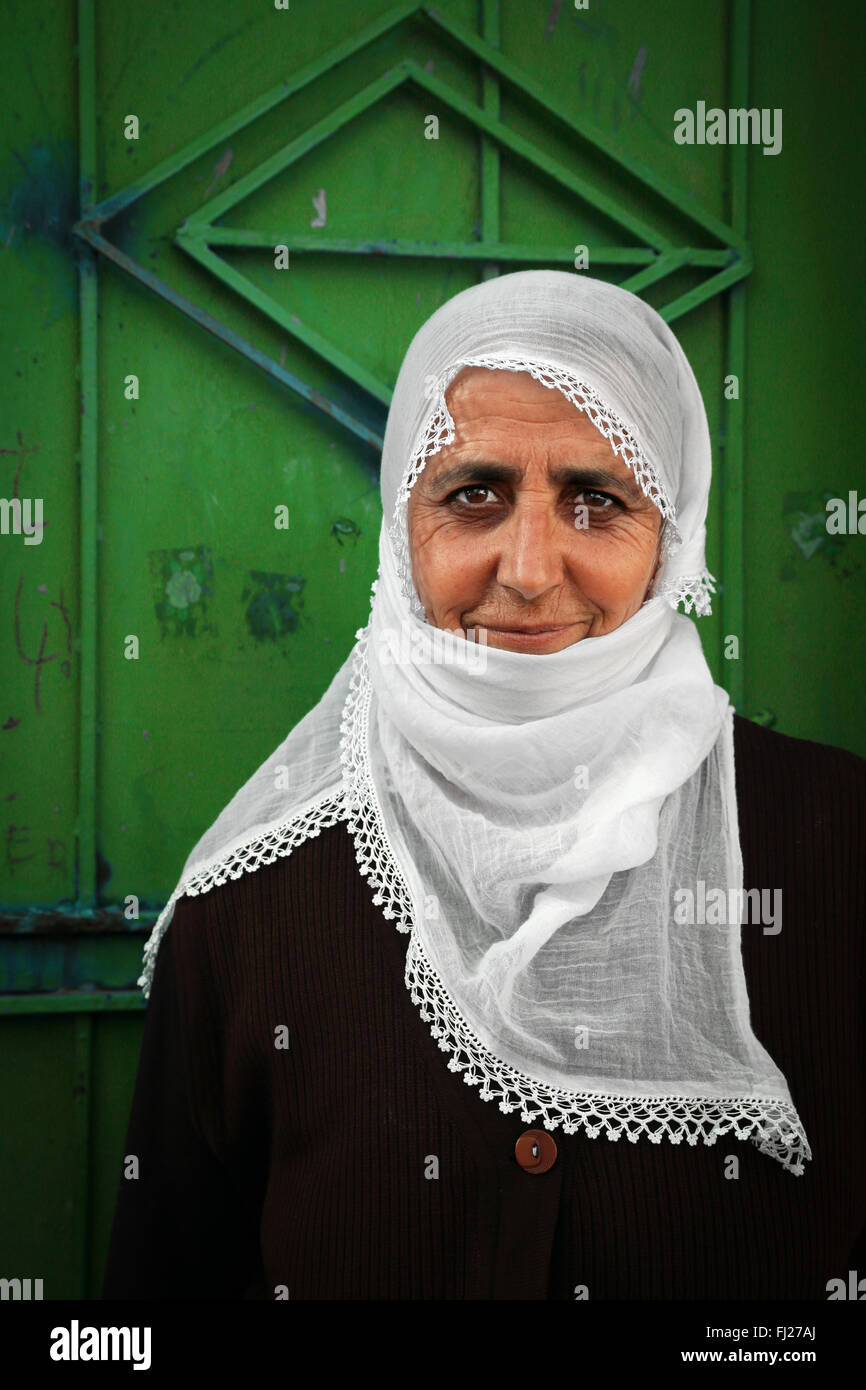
pixel 658 255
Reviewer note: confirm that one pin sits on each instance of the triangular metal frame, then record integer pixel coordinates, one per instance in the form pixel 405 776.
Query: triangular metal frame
pixel 658 255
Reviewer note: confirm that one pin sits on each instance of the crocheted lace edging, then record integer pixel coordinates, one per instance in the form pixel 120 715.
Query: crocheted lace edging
pixel 693 590
pixel 773 1125
pixel 265 849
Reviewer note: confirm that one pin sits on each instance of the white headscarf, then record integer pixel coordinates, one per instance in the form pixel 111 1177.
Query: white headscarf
pixel 527 818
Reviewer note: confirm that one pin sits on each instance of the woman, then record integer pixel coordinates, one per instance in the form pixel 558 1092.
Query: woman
pixel 507 849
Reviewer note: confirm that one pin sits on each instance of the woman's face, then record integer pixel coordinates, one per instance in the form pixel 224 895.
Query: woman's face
pixel 528 524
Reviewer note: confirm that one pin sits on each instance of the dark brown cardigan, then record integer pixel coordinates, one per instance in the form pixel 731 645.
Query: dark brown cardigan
pixel 301 1172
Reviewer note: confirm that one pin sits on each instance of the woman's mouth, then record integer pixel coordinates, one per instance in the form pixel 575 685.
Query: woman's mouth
pixel 525 636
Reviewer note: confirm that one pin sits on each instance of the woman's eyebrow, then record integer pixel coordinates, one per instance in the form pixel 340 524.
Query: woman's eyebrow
pixel 508 473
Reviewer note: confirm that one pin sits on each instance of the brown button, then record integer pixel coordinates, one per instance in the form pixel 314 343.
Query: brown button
pixel 535 1151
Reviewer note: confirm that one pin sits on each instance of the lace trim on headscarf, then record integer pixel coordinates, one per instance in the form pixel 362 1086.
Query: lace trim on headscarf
pixel 773 1125
pixel 692 590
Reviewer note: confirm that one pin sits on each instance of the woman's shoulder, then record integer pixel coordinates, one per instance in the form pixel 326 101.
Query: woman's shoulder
pixel 772 748
pixel 266 870
pixel 268 885
pixel 784 773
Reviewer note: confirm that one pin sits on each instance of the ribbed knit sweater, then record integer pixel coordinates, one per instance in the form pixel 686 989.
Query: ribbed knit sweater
pixel 307 1172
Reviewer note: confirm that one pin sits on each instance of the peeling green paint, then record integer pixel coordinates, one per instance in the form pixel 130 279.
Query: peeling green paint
pixel 38 210
pixel 805 519
pixel 344 526
pixel 182 583
pixel 270 599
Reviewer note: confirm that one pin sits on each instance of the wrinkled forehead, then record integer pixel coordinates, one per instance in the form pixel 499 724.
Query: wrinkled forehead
pixel 625 383
pixel 437 429
pixel 510 418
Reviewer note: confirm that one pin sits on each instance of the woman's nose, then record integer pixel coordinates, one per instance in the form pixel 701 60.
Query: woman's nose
pixel 530 559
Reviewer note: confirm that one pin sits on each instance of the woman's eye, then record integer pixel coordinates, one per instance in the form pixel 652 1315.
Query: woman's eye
pixel 589 498
pixel 464 493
